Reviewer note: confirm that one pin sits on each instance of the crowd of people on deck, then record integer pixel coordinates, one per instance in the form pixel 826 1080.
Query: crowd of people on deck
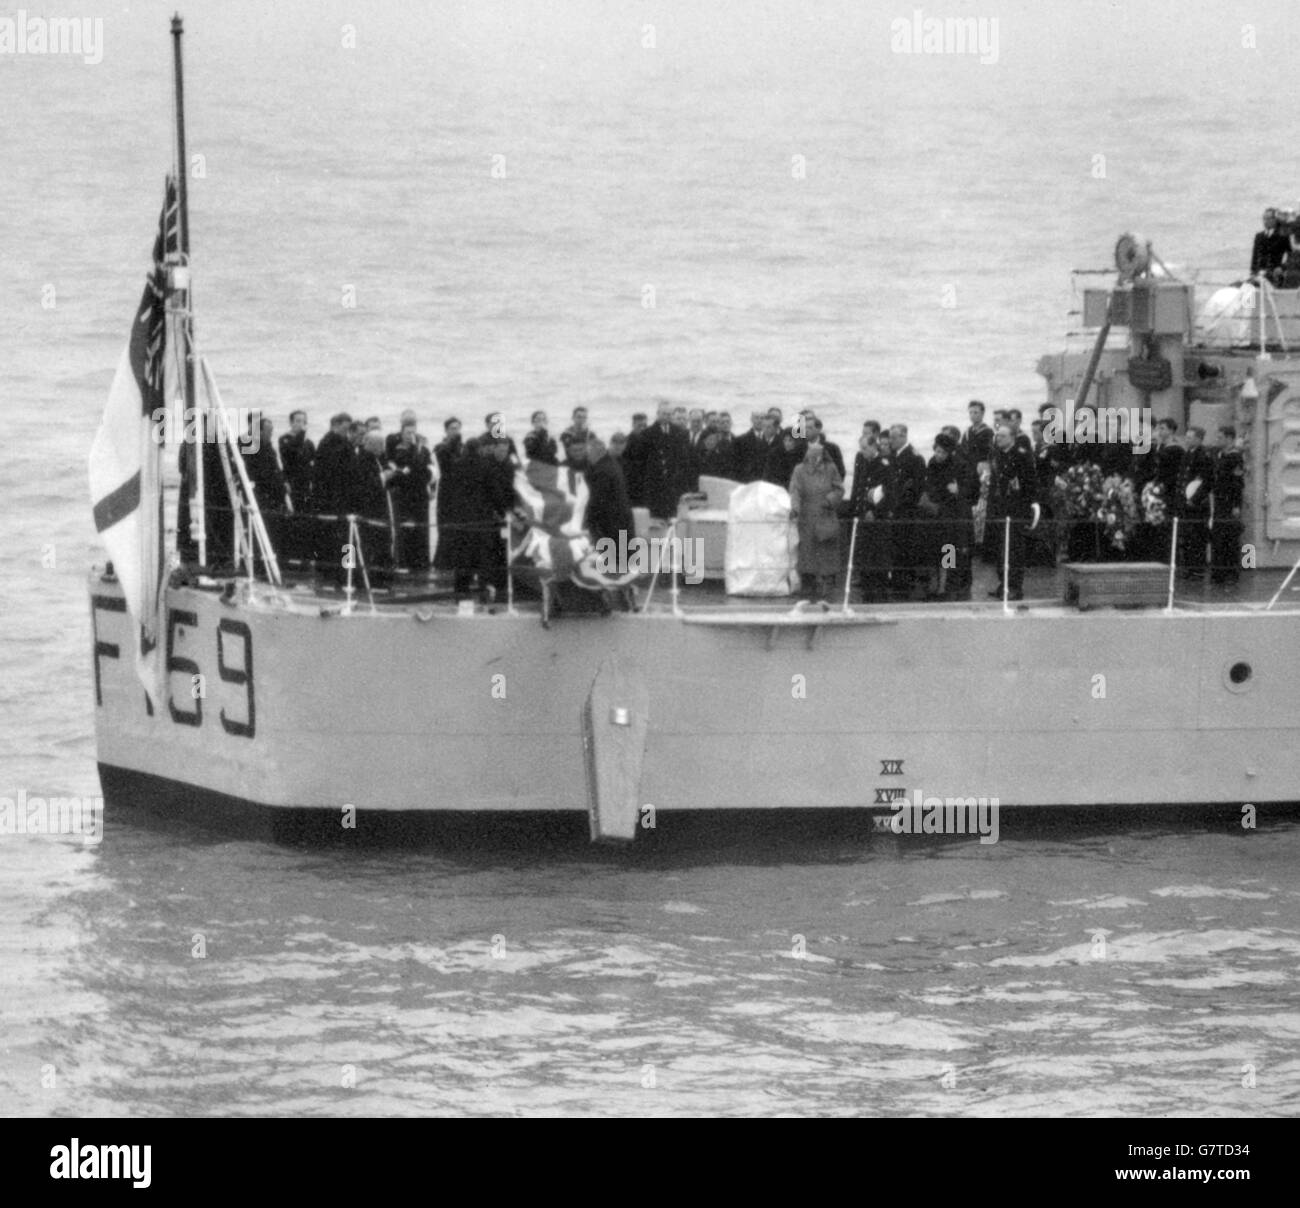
pixel 1106 500
pixel 990 491
pixel 356 470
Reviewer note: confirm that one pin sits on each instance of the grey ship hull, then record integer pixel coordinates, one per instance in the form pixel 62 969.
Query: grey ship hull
pixel 742 708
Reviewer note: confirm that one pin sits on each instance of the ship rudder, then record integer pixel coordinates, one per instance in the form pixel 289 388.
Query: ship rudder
pixel 614 726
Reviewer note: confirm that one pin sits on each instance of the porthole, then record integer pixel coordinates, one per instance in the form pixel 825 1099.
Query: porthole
pixel 1239 676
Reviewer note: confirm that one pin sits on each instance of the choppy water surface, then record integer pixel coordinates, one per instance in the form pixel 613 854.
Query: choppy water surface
pixel 1143 972
pixel 921 259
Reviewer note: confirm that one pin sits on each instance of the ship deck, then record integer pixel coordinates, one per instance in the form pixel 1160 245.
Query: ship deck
pixel 1044 594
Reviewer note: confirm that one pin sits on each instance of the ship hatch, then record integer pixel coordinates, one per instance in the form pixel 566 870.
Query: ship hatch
pixel 1283 465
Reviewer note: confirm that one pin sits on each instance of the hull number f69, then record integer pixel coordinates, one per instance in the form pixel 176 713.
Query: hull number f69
pixel 234 651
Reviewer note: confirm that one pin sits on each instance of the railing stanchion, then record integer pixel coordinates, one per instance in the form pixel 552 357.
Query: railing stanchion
pixel 353 544
pixel 1173 563
pixel 1006 566
pixel 510 572
pixel 365 573
pixel 673 553
pixel 1277 322
pixel 848 574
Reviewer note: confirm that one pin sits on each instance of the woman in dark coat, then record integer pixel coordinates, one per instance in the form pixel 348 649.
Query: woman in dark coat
pixel 816 489
pixel 948 535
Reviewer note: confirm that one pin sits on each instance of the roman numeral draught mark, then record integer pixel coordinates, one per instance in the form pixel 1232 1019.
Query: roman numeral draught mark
pixel 891 767
pixel 885 796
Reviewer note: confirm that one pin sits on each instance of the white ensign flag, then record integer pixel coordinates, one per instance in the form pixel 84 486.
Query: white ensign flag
pixel 126 457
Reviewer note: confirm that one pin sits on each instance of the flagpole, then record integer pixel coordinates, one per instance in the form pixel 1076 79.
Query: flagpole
pixel 181 165
pixel 187 319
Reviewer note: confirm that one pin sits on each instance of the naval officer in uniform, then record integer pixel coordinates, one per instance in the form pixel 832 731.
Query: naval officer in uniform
pixel 907 467
pixel 1192 503
pixel 664 453
pixel 1013 496
pixel 1229 491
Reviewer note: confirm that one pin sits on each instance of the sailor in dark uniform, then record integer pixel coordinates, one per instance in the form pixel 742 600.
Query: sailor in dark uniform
pixel 715 460
pixel 632 460
pixel 370 500
pixel 1269 251
pixel 1012 418
pixel 725 454
pixel 870 505
pixel 1015 418
pixel 1049 464
pixel 539 444
pixel 497 461
pixel 262 464
pixel 786 450
pixel 609 511
pixel 1049 458
pixel 577 432
pixel 494 430
pixel 411 459
pixel 331 476
pixel 973 489
pixel 664 452
pixel 264 471
pixel 1229 491
pixel 977 441
pixel 968 479
pixel 695 433
pixel 1164 461
pixel 461 512
pixel 393 439
pixel 749 451
pixel 609 514
pixel 1192 503
pixel 1013 495
pixel 297 454
pixel 908 538
pixel 1163 466
pixel 771 453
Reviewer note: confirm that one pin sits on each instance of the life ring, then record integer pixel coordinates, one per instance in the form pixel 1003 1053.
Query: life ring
pixel 1132 256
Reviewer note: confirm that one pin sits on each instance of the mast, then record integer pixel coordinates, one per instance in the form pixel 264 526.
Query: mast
pixel 181 183
pixel 217 456
pixel 198 507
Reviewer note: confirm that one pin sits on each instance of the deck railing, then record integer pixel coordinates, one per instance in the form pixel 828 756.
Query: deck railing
pixel 886 558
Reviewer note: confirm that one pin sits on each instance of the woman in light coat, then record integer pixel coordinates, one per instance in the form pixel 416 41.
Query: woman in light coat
pixel 816 489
